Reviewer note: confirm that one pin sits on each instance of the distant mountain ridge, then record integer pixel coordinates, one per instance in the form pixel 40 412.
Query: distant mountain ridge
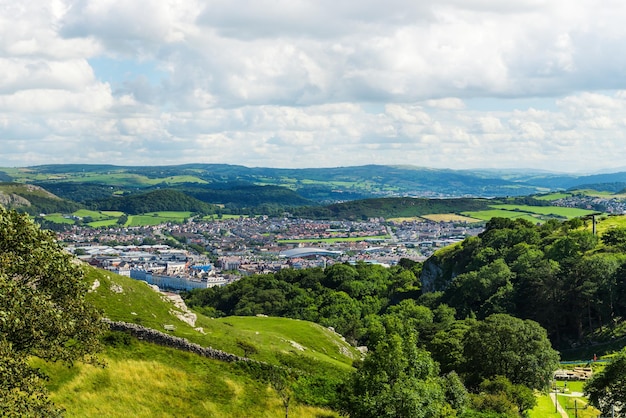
pixel 248 186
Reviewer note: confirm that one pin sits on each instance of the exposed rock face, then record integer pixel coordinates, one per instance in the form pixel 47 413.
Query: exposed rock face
pixel 431 275
pixel 11 200
pixel 181 311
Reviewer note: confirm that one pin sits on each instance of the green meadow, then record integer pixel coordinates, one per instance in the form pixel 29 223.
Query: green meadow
pixel 552 196
pixel 547 210
pixel 486 215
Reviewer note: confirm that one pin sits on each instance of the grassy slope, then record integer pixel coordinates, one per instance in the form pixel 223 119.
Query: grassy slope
pixel 145 380
pixel 140 304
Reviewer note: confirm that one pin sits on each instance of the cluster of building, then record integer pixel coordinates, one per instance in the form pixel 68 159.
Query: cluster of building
pixel 601 204
pixel 217 252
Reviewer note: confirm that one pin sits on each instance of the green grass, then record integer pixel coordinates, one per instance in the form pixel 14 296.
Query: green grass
pixel 486 215
pixel 96 215
pixel 316 341
pixel 170 214
pixel 605 223
pixel 157 218
pixel 578 407
pixel 59 219
pixel 140 304
pixel 547 210
pixel 553 196
pixel 225 216
pixel 98 224
pixel 544 409
pixel 145 380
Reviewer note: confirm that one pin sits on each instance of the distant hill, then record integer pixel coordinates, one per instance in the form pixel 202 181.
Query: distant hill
pixel 392 207
pixel 154 201
pixel 245 195
pixel 33 199
pixel 246 187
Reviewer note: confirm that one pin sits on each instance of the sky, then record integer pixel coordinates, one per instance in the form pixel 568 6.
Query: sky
pixel 460 84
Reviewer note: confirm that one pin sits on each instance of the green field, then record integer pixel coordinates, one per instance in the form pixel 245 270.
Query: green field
pixel 157 218
pixel 547 210
pixel 450 217
pixel 552 196
pixel 58 218
pixel 486 215
pixel 604 223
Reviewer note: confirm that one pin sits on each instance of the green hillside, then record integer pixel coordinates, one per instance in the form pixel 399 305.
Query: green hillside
pixel 153 201
pixel 33 199
pixel 143 379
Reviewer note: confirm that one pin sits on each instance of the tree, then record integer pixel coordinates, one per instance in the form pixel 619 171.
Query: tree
pixel 43 313
pixel 397 379
pixel 281 382
pixel 503 345
pixel 247 347
pixel 607 389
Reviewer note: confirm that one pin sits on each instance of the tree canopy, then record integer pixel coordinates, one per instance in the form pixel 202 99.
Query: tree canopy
pixel 43 313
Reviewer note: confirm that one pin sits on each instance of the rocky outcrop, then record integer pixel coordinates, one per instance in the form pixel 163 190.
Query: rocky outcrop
pixel 167 340
pixel 431 277
pixel 11 200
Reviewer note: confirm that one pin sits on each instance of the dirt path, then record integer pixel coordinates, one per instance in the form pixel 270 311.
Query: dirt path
pixel 559 408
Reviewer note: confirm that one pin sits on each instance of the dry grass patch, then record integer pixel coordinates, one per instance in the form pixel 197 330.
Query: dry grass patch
pixel 450 217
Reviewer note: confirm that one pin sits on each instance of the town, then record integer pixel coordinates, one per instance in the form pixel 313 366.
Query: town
pixel 203 253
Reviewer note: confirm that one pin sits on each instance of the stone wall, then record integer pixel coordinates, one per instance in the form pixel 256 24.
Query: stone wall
pixel 161 338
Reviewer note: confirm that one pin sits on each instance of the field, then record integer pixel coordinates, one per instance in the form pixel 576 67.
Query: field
pixel 407 219
pixel 534 214
pixel 547 210
pixel 58 218
pixel 110 218
pixel 450 217
pixel 486 215
pixel 578 407
pixel 552 196
pixel 157 218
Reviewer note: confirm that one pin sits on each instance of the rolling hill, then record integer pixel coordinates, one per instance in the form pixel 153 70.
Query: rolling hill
pixel 145 380
pixel 317 184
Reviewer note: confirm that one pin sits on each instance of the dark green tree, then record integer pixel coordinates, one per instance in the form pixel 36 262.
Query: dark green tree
pixel 43 313
pixel 503 345
pixel 399 380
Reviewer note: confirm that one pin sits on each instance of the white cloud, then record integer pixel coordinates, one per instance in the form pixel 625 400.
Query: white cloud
pixel 304 83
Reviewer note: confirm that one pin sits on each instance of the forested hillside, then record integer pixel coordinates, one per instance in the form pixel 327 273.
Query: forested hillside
pixel 421 358
pixel 566 278
pixel 153 201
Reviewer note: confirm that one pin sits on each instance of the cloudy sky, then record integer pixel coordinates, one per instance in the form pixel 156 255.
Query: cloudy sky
pixel 315 83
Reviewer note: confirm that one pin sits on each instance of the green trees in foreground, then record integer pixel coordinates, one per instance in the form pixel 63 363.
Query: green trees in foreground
pixel 43 313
